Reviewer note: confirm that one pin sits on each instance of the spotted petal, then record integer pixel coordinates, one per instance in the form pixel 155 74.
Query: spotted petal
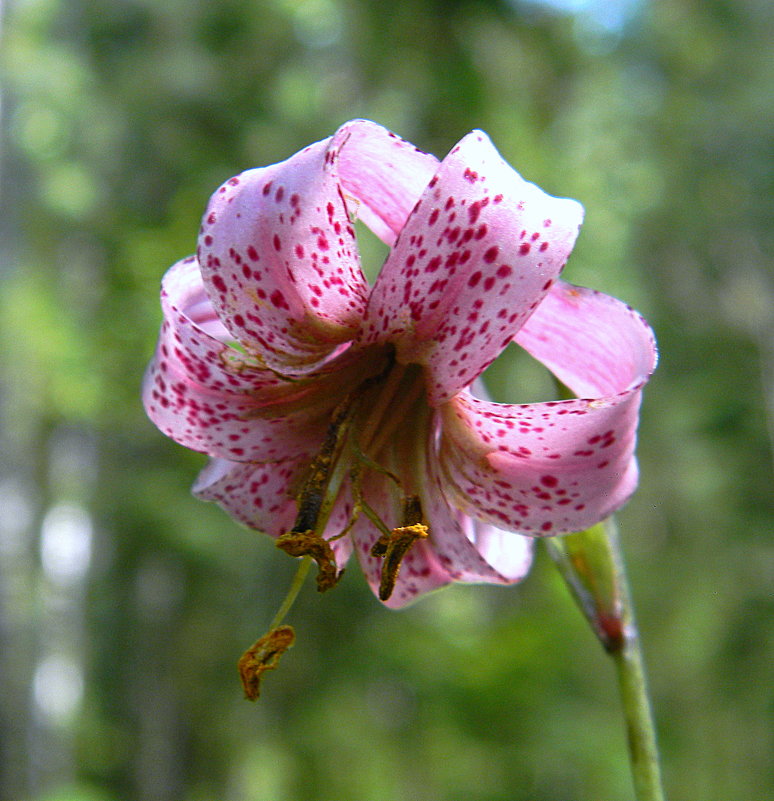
pixel 596 345
pixel 469 549
pixel 541 468
pixel 263 496
pixel 212 398
pixel 509 553
pixel 477 254
pixel 195 342
pixel 383 173
pixel 280 261
pixel 561 466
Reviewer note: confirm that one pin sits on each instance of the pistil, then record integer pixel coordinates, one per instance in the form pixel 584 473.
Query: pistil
pixel 356 436
pixel 263 655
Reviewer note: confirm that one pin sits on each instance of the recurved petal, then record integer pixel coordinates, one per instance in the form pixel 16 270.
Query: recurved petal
pixel 212 398
pixel 476 256
pixel 544 468
pixel 280 261
pixel 561 466
pixel 383 173
pixel 420 571
pixel 511 554
pixel 261 496
pixel 471 550
pixel 596 345
pixel 195 345
pixel 227 425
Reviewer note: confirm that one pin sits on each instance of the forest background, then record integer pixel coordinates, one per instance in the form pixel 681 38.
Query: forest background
pixel 124 602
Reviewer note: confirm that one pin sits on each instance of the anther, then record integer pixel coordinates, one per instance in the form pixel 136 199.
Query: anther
pixel 396 544
pixel 307 543
pixel 262 656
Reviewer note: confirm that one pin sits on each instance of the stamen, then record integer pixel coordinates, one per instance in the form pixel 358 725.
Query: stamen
pixel 371 465
pixel 307 543
pixel 311 497
pixel 360 505
pixel 403 396
pixel 262 656
pixel 340 454
pixel 385 398
pixel 394 545
pixel 375 519
pixel 295 588
pixel 305 538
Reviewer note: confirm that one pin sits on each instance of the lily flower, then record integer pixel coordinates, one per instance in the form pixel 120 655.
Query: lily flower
pixel 345 417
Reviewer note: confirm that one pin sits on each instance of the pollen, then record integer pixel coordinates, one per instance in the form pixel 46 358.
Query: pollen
pixel 395 545
pixel 307 543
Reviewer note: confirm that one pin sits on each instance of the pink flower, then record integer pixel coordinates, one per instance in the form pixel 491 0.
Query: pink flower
pixel 275 354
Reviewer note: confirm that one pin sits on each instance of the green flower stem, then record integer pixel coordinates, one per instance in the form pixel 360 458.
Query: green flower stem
pixel 591 562
pixel 643 751
pixel 632 683
pixel 295 588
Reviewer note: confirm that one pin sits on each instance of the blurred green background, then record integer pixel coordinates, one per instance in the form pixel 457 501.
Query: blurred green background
pixel 124 603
